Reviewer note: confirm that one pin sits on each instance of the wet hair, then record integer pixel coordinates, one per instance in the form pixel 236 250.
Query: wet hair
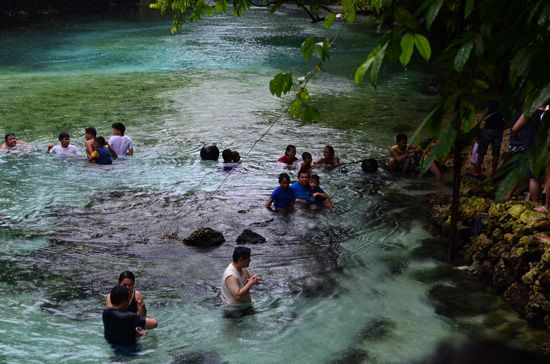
pixel 289 147
pixel 64 135
pixel 91 130
pixel 284 176
pixel 226 155
pixel 101 141
pixel 235 156
pixel 314 178
pixel 7 136
pixel 119 294
pixel 330 149
pixel 238 253
pixel 302 172
pixel 306 155
pixel 126 275
pixel 399 137
pixel 120 127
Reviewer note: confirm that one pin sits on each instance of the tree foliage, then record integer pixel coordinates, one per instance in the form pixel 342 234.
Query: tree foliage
pixel 480 51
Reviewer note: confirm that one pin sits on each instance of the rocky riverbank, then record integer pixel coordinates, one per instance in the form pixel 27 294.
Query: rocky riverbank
pixel 508 246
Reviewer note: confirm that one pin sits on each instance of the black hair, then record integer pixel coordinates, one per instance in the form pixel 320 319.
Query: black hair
pixel 64 135
pixel 289 147
pixel 315 177
pixel 306 155
pixel 238 253
pixel 119 294
pixel 226 155
pixel 302 172
pixel 399 137
pixel 235 156
pixel 126 275
pixel 101 141
pixel 7 136
pixel 284 176
pixel 91 130
pixel 330 149
pixel 120 127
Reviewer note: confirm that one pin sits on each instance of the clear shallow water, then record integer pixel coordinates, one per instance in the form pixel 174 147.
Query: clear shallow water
pixel 355 280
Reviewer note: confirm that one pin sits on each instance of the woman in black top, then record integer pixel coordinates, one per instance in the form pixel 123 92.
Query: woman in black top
pixel 135 299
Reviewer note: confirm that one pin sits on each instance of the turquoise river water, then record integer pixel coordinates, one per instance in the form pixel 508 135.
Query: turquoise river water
pixel 359 283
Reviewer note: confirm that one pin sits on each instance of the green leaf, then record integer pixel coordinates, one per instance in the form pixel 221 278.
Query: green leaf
pixel 462 55
pixel 404 17
pixel 329 20
pixel 423 46
pixel 303 94
pixel 377 5
pixel 435 114
pixel 363 68
pixel 377 63
pixel 543 98
pixel 295 107
pixel 441 149
pixel 407 47
pixel 307 47
pixel 520 64
pixel 481 84
pixel 349 10
pixel 321 50
pixel 432 12
pixel 309 114
pixel 468 8
pixel 467 116
pixel 280 84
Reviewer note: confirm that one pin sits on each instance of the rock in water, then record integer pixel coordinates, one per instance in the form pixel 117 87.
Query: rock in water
pixel 250 237
pixel 369 165
pixel 210 152
pixel 204 238
pixel 198 357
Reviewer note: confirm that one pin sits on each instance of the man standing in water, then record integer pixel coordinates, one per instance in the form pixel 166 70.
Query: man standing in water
pixel 236 284
pixel 121 326
pixel 301 188
pixel 11 142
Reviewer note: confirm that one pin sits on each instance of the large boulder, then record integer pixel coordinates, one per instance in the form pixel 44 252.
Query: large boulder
pixel 204 238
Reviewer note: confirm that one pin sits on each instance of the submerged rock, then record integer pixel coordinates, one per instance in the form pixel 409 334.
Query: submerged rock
pixel 200 357
pixel 377 329
pixel 352 355
pixel 250 237
pixel 204 238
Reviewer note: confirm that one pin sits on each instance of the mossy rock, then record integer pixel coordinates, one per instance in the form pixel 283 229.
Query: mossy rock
pixel 496 210
pixel 471 207
pixel 535 221
pixel 204 238
pixel 478 248
pixel 516 210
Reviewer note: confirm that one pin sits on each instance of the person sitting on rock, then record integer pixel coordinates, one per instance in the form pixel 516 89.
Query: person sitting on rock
pixel 236 283
pixel 121 326
pixel 283 196
pixel 402 155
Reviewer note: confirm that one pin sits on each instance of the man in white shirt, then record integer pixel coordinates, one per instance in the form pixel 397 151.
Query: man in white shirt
pixel 236 284
pixel 64 148
pixel 121 143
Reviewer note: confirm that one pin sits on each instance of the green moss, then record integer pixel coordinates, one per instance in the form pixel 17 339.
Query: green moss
pixel 43 105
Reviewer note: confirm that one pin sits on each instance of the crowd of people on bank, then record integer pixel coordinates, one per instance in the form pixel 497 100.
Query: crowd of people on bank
pixel 404 158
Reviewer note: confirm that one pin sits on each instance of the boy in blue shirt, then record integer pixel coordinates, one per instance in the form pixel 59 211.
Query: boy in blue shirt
pixel 318 196
pixel 283 196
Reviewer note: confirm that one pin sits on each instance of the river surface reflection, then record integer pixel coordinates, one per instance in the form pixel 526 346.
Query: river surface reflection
pixel 353 284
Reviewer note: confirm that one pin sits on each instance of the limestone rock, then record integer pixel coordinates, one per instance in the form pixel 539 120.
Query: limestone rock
pixel 204 238
pixel 250 237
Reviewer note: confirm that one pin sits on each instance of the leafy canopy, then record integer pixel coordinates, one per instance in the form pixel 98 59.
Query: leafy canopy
pixel 480 50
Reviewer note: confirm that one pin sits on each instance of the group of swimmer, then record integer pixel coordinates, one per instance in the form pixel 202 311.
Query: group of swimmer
pixel 125 315
pixel 98 150
pixel 306 190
